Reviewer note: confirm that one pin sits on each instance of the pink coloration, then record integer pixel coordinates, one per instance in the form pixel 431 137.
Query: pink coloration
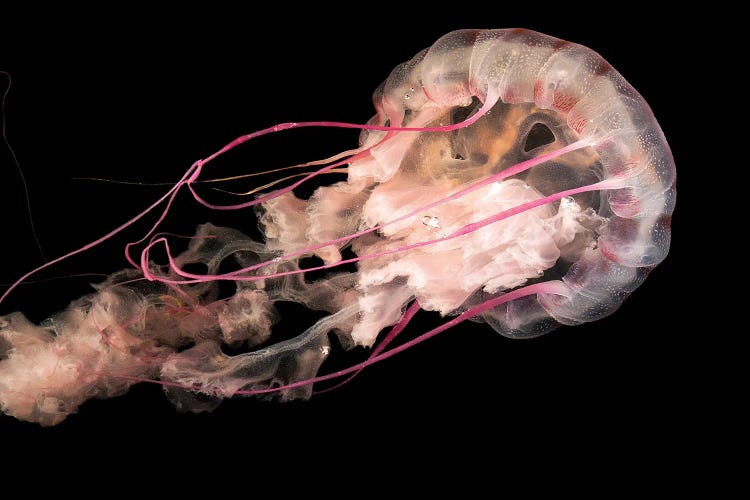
pixel 505 178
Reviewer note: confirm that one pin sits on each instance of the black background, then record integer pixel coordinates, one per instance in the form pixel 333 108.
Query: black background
pixel 135 96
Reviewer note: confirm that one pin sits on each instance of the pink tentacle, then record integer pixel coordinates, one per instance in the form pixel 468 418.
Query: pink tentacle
pixel 100 240
pixel 395 331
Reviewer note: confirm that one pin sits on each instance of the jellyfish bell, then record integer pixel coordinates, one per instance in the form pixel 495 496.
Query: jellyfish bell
pixel 507 177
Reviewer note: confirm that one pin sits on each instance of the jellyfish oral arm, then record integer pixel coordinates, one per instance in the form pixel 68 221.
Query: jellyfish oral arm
pixel 379 353
pixel 599 186
pixel 550 287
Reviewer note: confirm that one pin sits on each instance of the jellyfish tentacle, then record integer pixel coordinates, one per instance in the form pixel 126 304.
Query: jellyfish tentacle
pixel 169 195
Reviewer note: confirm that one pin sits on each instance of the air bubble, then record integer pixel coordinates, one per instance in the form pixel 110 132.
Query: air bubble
pixel 430 221
pixel 568 203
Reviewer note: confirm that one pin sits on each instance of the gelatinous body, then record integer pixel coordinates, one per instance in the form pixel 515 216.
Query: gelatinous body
pixel 508 177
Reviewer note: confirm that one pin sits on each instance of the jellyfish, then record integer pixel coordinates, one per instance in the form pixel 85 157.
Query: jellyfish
pixel 507 178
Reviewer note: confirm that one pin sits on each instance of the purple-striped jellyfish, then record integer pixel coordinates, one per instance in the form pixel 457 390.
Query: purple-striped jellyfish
pixel 508 177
